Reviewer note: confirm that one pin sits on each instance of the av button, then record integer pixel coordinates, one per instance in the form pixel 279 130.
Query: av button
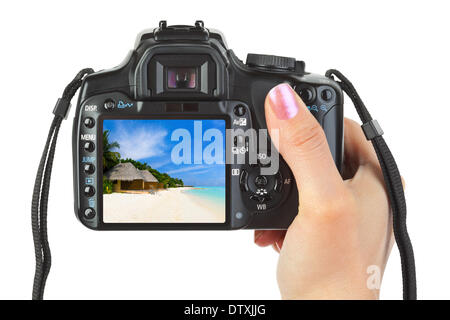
pixel 89 191
pixel 89 146
pixel 89 213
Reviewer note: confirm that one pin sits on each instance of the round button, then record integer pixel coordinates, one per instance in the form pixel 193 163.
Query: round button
pixel 89 168
pixel 89 122
pixel 307 94
pixel 260 181
pixel 239 215
pixel 89 146
pixel 265 163
pixel 89 213
pixel 89 191
pixel 326 95
pixel 239 110
pixel 109 104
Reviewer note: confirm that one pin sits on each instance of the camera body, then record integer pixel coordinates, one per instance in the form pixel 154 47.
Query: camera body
pixel 176 82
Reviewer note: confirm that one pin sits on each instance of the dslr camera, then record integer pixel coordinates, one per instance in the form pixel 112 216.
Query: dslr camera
pixel 175 137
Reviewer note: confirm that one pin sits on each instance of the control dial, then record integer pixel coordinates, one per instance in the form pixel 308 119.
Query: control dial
pixel 260 188
pixel 270 62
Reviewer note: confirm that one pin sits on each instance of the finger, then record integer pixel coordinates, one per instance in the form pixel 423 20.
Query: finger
pixel 303 144
pixel 357 150
pixel 264 238
pixel 361 163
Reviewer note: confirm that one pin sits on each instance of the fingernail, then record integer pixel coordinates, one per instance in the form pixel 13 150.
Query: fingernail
pixel 258 234
pixel 283 101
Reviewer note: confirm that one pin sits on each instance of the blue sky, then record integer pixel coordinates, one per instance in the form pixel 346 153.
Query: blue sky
pixel 150 141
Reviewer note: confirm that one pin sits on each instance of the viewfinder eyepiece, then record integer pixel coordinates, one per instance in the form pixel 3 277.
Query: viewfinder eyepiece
pixel 181 78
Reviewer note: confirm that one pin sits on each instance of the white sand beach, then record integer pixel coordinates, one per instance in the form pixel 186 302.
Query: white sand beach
pixel 166 206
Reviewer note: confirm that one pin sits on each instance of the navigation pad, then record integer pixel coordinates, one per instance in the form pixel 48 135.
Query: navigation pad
pixel 262 192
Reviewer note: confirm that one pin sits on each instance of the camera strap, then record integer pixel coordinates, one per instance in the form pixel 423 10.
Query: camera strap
pixel 371 129
pixel 42 186
pixel 393 182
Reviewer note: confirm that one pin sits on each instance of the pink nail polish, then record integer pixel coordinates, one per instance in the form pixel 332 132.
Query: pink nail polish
pixel 283 101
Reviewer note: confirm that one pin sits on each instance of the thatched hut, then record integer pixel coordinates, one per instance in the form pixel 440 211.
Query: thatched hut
pixel 126 177
pixel 150 182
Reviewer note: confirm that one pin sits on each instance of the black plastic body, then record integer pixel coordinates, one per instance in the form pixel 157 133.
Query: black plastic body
pixel 235 83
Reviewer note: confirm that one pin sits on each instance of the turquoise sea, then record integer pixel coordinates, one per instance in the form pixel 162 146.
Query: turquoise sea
pixel 212 195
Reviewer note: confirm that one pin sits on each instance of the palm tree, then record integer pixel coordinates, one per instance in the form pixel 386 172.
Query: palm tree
pixel 110 158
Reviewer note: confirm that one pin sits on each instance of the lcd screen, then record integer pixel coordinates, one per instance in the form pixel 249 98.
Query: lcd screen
pixel 164 171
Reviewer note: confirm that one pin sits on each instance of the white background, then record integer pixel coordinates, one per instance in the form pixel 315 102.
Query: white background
pixel 397 54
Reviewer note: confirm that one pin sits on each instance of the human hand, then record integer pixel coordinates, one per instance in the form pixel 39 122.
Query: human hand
pixel 344 225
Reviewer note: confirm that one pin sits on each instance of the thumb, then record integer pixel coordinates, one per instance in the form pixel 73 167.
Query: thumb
pixel 303 144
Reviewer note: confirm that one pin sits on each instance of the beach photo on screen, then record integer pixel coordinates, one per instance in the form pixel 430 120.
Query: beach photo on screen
pixel 164 171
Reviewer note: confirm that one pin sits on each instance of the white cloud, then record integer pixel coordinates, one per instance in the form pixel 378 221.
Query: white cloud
pixel 187 169
pixel 139 143
pixel 156 165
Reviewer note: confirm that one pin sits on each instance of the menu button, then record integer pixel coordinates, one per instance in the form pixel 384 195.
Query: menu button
pixel 89 146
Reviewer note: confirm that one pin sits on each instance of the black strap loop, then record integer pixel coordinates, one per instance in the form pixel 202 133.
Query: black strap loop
pixel 393 182
pixel 62 108
pixel 372 129
pixel 42 186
